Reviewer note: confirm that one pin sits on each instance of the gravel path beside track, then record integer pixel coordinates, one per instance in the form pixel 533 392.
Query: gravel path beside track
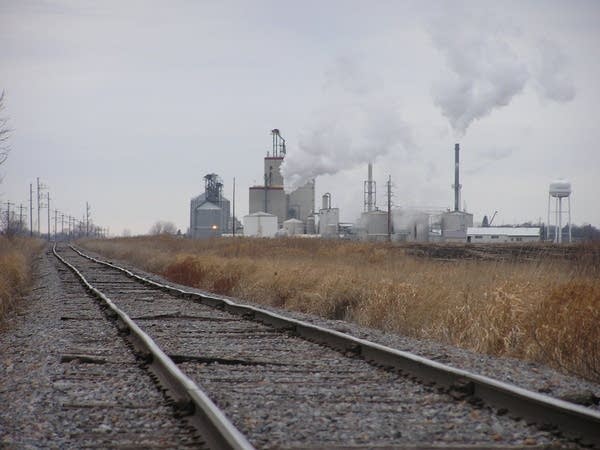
pixel 68 380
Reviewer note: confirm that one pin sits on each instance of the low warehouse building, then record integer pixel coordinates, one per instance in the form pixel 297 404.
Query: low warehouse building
pixel 491 235
pixel 260 224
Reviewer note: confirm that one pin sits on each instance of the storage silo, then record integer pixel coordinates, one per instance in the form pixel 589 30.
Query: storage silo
pixel 208 221
pixel 329 218
pixel 203 209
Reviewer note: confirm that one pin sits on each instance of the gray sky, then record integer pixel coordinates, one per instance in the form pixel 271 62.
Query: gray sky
pixel 129 104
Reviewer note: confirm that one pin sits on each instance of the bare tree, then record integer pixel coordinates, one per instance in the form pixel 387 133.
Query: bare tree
pixel 4 132
pixel 163 227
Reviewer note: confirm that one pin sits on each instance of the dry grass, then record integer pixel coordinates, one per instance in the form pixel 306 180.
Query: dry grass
pixel 544 309
pixel 16 256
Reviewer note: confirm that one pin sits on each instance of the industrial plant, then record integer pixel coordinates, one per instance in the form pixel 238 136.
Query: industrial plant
pixel 273 212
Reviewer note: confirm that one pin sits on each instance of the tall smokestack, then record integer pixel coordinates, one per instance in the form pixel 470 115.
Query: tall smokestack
pixel 456 177
pixel 370 188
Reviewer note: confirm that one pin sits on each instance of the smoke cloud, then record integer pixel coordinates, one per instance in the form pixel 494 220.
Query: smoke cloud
pixel 549 70
pixel 357 122
pixel 484 73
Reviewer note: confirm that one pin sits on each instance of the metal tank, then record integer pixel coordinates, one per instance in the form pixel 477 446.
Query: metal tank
pixel 560 188
pixel 329 220
pixel 375 225
pixel 207 221
pixel 455 224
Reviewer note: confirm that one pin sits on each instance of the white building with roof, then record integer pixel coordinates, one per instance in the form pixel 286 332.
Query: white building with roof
pixel 491 235
pixel 260 224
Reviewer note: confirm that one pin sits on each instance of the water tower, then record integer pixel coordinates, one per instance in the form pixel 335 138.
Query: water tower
pixel 559 189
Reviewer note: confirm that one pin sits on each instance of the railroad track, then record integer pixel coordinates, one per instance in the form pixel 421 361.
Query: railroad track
pixel 244 377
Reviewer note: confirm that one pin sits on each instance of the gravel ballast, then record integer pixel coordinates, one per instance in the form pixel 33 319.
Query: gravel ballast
pixel 68 380
pixel 528 375
pixel 282 391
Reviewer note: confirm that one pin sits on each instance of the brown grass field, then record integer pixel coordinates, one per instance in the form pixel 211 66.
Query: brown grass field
pixel 16 257
pixel 539 303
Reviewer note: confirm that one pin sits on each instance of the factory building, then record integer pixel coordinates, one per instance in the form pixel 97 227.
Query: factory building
pixel 373 224
pixel 210 212
pixel 260 224
pixel 491 235
pixel 293 227
pixel 271 197
pixel 455 223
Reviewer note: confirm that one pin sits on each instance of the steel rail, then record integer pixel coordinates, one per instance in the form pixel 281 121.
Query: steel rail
pixel 214 427
pixel 574 421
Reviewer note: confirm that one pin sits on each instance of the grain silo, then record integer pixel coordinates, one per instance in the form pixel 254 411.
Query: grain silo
pixel 210 211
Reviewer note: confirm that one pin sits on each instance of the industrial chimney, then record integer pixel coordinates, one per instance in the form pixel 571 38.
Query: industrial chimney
pixel 370 191
pixel 457 185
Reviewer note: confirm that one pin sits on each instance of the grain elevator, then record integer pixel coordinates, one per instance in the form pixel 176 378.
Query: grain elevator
pixel 271 198
pixel 210 212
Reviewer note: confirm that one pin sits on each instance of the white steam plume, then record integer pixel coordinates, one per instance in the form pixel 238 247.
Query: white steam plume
pixel 357 122
pixel 549 70
pixel 485 73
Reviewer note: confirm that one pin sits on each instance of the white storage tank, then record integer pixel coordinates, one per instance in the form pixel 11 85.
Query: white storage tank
pixel 260 224
pixel 293 227
pixel 329 220
pixel 560 188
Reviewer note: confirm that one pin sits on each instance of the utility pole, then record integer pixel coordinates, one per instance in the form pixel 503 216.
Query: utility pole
pixel 389 212
pixel 62 225
pixel 38 205
pixel 87 219
pixel 21 207
pixel 233 217
pixel 48 216
pixel 30 209
pixel 55 222
pixel 8 217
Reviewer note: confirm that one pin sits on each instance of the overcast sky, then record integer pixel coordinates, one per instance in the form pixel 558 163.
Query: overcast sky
pixel 129 104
